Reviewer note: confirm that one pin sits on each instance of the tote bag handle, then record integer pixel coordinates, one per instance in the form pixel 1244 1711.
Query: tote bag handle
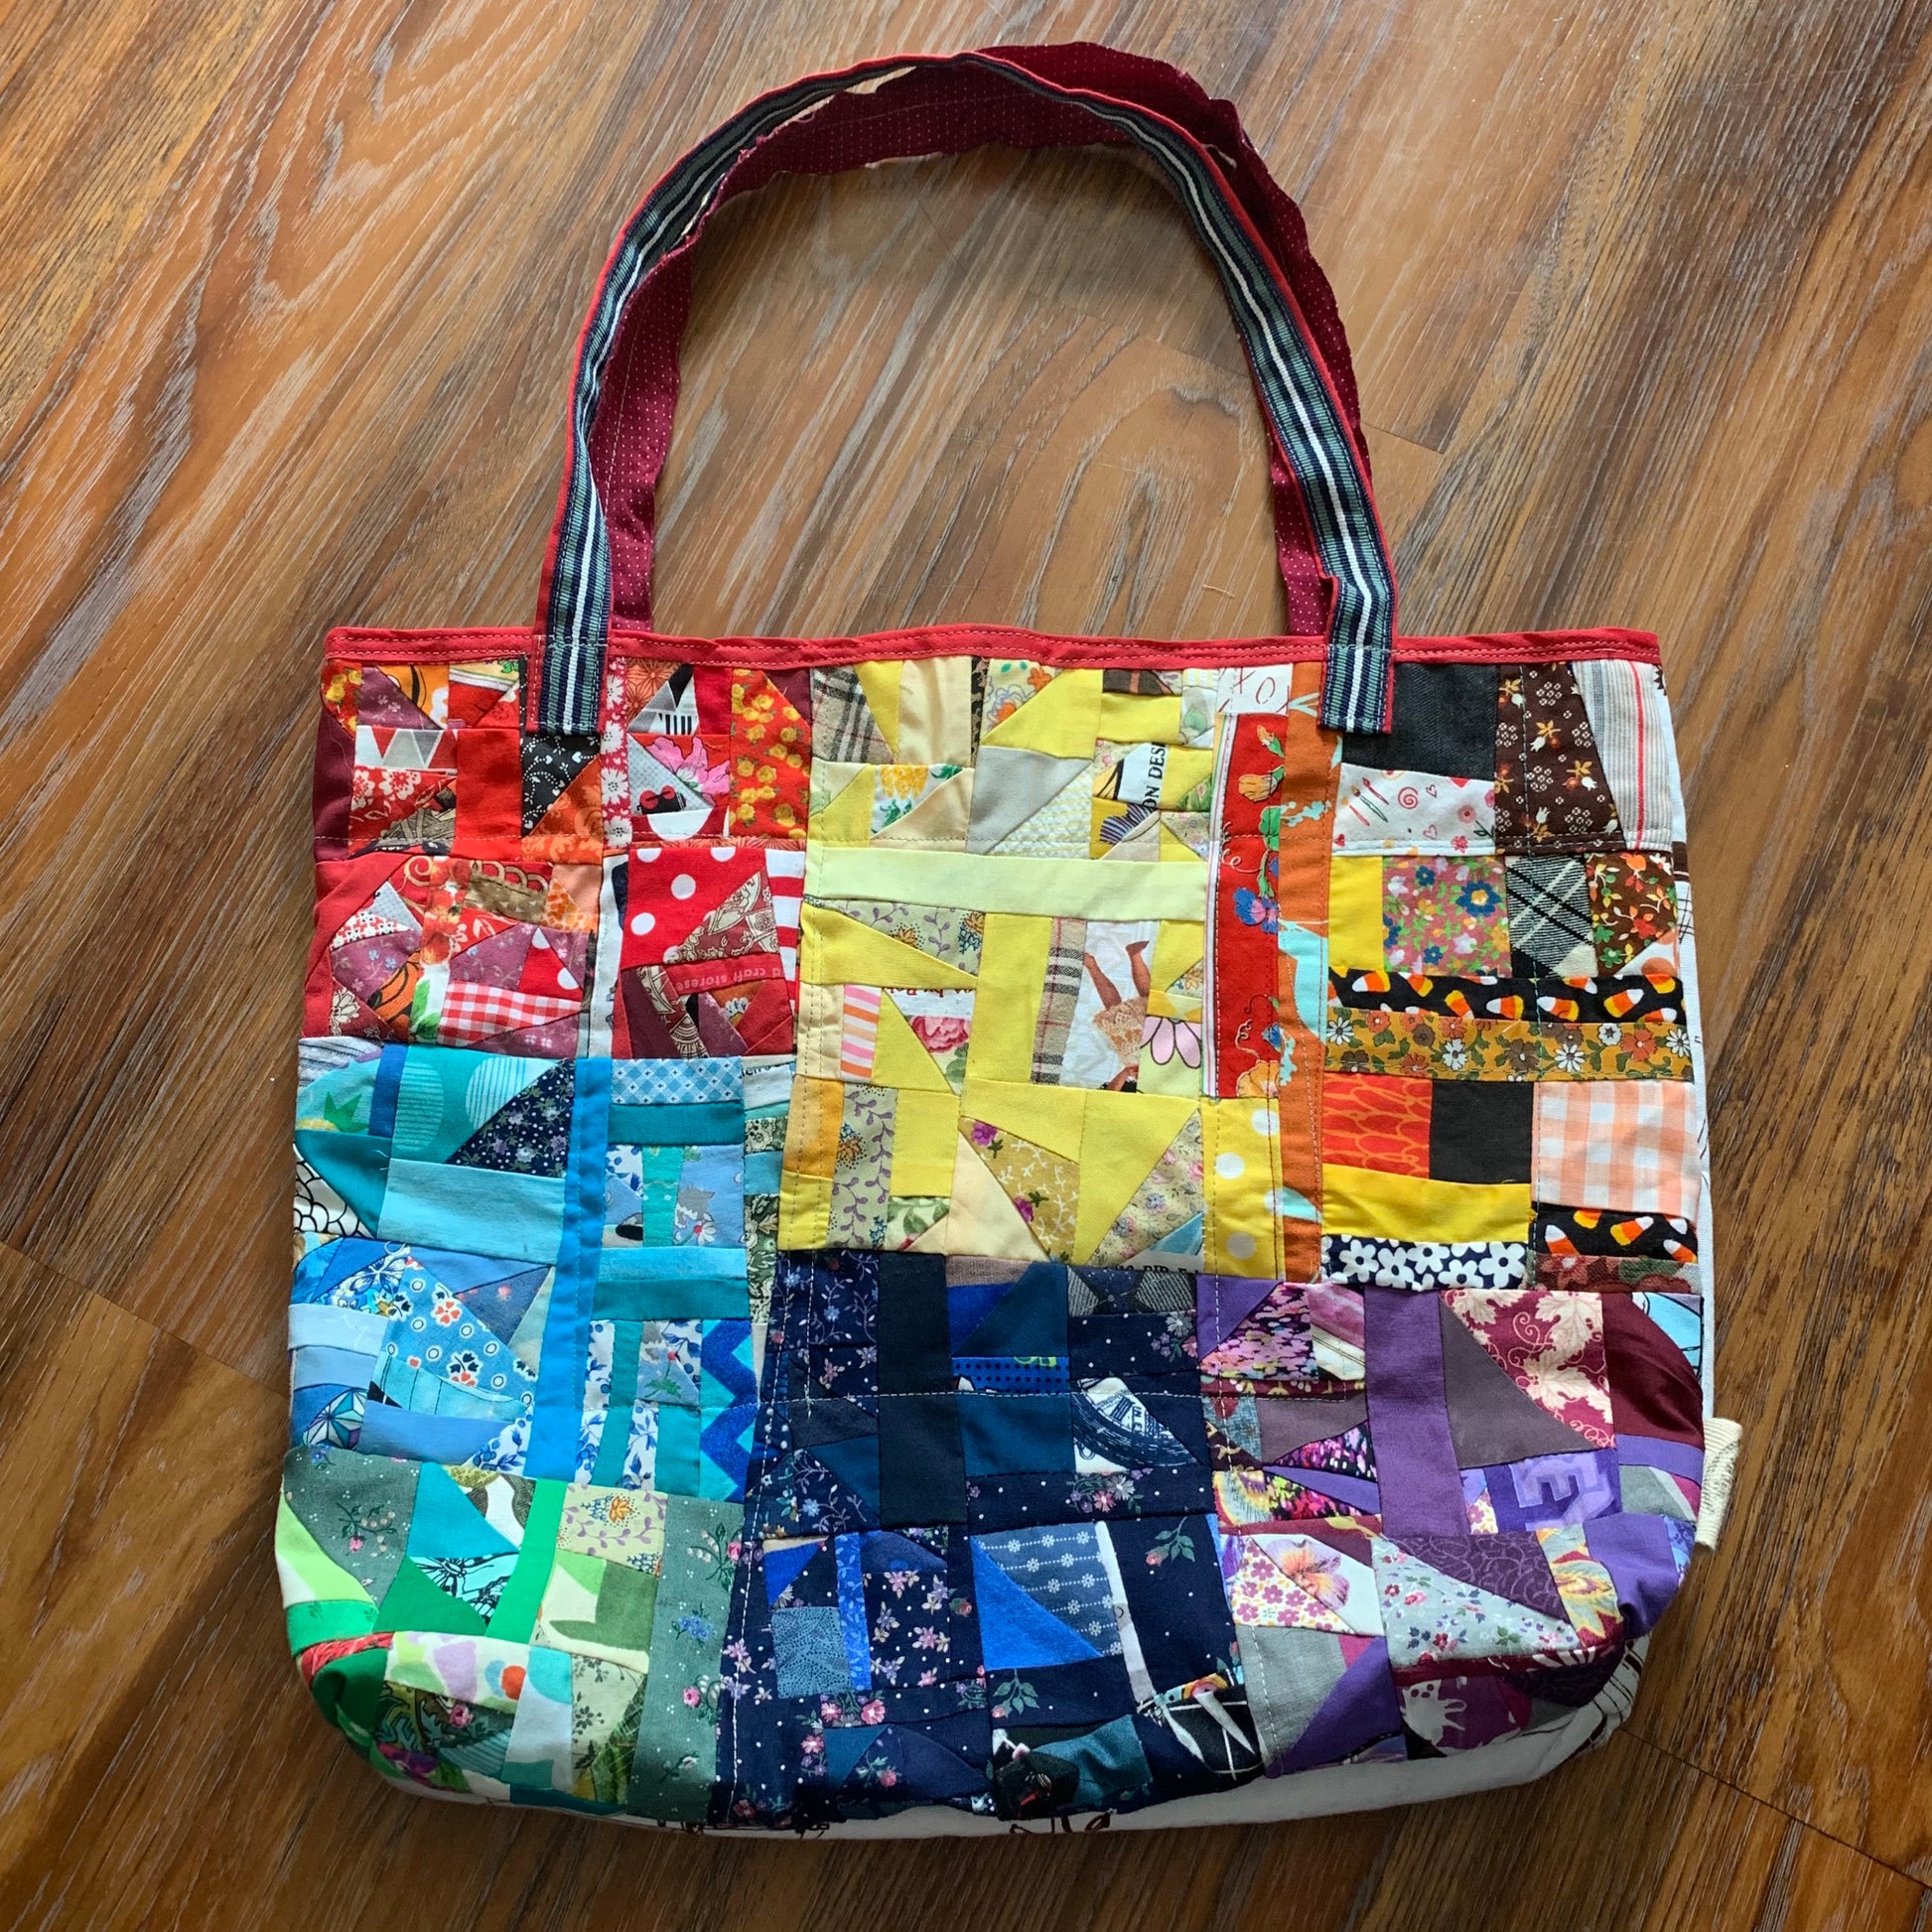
pixel 934 111
pixel 625 382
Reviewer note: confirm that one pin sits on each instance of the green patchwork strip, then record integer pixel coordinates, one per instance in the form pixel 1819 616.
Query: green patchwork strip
pixel 677 1736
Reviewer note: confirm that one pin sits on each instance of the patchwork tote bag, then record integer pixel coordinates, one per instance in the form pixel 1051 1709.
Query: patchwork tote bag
pixel 962 1229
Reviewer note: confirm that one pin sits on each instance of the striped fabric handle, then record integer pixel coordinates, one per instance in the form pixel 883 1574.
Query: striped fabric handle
pixel 930 112
pixel 1291 378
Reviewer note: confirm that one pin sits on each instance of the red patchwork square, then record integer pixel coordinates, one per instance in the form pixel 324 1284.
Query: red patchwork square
pixel 695 903
pixel 1376 1121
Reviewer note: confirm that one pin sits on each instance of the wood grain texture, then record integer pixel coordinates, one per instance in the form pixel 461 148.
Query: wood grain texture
pixel 1641 300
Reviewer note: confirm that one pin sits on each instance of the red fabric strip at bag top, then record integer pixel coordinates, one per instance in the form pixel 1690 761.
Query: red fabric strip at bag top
pixel 959 1229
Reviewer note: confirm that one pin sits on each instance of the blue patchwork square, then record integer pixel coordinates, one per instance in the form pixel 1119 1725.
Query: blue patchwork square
pixel 808 1647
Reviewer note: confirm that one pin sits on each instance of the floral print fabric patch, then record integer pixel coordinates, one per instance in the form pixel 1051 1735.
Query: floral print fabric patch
pixel 1026 1237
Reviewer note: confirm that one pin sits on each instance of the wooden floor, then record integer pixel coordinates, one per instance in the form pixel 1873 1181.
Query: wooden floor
pixel 1641 298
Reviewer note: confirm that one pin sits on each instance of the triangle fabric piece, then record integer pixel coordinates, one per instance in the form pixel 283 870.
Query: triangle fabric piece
pixel 1021 1317
pixel 855 1462
pixel 845 1745
pixel 783 1565
pixel 883 682
pixel 578 810
pixel 932 1239
pixel 1510 1564
pixel 984 1219
pixel 353 1167
pixel 833 1420
pixel 844 729
pixel 387 911
pixel 1182 1245
pixel 446 1523
pixel 1551 1346
pixel 1548 914
pixel 1624 703
pixel 900 1058
pixel 970 1299
pixel 941 1024
pixel 677 809
pixel 926 1765
pixel 1353 1647
pixel 1043 1188
pixel 1137 842
pixel 552 765
pixel 1236 1434
pixel 1290 1674
pixel 1163 1204
pixel 881 942
pixel 381 704
pixel 842 798
pixel 482 693
pixel 478 1582
pixel 1363 1707
pixel 933 800
pixel 439 1107
pixel 500 1306
pixel 499 959
pixel 1286 1424
pixel 1011 786
pixel 1491 1419
pixel 662 699
pixel 1113 1430
pixel 1272 1340
pixel 1325 1576
pixel 1265 1591
pixel 397 796
pixel 1348 1452
pixel 530 1135
pixel 1444 1617
pixel 1147 683
pixel 1062 718
pixel 1653 1492
pixel 938 820
pixel 1015 1633
pixel 1222 1302
pixel 413 1603
pixel 1061 828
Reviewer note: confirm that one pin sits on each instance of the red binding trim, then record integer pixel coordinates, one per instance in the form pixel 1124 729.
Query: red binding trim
pixel 365 644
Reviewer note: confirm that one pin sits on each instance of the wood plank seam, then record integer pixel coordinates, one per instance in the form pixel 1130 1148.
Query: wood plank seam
pixel 1639 1734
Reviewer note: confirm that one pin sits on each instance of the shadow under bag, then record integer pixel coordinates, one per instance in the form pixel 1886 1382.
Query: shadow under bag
pixel 960 1229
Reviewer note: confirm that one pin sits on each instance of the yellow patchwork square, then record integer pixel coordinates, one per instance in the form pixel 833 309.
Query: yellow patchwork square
pixel 1062 718
pixel 1003 958
pixel 1355 913
pixel 1404 1208
pixel 1241 1179
pixel 925 1141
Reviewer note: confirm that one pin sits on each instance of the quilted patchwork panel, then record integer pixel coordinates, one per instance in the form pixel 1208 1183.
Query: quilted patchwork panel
pixel 1005 1233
